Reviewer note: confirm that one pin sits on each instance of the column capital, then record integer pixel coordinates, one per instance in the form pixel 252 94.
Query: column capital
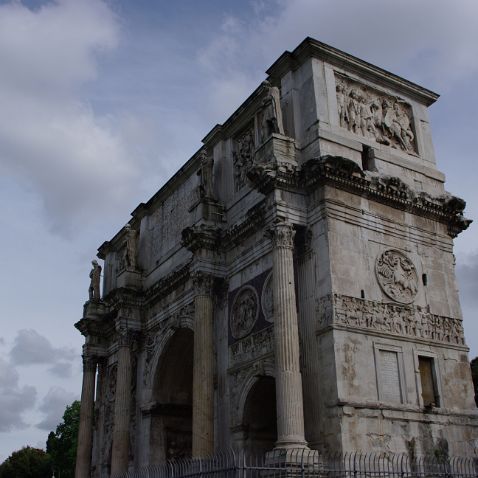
pixel 125 336
pixel 202 283
pixel 282 235
pixel 89 363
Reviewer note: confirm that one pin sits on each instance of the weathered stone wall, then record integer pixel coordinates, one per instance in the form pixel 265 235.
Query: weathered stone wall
pixel 305 255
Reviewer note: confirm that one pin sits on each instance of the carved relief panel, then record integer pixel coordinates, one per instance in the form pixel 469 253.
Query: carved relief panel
pixel 397 276
pixel 368 112
pixel 250 330
pixel 243 156
pixel 245 310
pixel 389 319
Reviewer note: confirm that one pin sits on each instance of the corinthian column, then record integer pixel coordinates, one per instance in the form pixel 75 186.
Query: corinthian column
pixel 120 449
pixel 85 432
pixel 290 413
pixel 203 368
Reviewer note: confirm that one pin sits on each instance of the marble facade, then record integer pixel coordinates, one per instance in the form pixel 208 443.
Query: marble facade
pixel 292 285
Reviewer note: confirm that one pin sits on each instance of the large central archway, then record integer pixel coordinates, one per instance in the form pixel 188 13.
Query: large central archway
pixel 171 415
pixel 260 416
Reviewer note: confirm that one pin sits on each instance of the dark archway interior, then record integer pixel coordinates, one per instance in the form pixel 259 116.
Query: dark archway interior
pixel 260 416
pixel 171 415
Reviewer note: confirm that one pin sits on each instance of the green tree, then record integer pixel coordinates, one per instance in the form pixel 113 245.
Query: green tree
pixel 61 444
pixel 27 463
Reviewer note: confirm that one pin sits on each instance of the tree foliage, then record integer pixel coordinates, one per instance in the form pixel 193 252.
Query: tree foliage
pixel 61 444
pixel 27 463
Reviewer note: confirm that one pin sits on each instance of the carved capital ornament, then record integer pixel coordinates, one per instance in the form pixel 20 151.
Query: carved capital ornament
pixel 89 363
pixel 282 235
pixel 202 283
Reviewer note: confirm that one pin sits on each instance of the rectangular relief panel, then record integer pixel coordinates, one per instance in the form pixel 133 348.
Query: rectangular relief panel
pixel 375 115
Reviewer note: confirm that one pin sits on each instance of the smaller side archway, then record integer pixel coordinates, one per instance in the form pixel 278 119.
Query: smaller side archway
pixel 259 417
pixel 171 414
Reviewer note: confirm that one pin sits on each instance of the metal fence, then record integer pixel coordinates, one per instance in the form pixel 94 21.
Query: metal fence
pixel 311 463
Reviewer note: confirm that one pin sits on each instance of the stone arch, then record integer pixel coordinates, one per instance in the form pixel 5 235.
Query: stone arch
pixel 254 388
pixel 171 397
pixel 260 369
pixel 159 343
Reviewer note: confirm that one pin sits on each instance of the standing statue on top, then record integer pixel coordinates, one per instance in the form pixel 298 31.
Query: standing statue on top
pixel 271 113
pixel 95 277
pixel 129 253
pixel 206 174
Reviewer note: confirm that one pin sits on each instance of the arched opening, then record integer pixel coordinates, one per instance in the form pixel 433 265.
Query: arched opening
pixel 260 416
pixel 171 413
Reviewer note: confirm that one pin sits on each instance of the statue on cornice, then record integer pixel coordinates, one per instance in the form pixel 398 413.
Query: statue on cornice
pixel 95 277
pixel 206 174
pixel 270 113
pixel 129 254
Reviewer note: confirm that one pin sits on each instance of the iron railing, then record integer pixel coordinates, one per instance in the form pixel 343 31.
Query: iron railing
pixel 302 463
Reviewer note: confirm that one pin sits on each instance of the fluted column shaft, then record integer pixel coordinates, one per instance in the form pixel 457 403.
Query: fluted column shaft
pixel 203 369
pixel 290 413
pixel 85 431
pixel 101 383
pixel 120 449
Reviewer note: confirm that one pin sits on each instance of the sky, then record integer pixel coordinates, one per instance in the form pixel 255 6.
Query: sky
pixel 102 101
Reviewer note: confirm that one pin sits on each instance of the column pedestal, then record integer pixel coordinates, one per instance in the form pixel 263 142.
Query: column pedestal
pixel 85 431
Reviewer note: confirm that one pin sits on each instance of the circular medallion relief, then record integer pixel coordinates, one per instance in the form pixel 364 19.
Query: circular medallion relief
pixel 245 310
pixel 267 302
pixel 397 276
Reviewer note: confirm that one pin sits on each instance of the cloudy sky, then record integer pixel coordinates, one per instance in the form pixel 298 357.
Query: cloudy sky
pixel 100 102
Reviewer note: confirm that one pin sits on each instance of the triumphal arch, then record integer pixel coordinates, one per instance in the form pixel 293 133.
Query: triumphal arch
pixel 292 285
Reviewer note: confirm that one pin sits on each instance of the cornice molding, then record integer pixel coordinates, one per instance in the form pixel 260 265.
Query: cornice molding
pixel 345 174
pixel 168 283
pixel 201 236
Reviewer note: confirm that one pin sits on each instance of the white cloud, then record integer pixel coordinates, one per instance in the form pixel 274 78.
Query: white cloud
pixel 50 137
pixel 14 400
pixel 53 406
pixel 32 348
pixel 428 40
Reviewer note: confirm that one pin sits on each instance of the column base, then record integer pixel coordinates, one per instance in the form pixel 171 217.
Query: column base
pixel 291 444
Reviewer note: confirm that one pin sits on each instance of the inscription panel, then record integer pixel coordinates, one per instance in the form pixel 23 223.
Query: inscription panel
pixel 389 376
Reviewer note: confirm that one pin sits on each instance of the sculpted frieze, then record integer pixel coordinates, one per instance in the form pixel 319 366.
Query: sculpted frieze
pixel 394 319
pixel 397 276
pixel 245 310
pixel 251 347
pixel 243 157
pixel 368 112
